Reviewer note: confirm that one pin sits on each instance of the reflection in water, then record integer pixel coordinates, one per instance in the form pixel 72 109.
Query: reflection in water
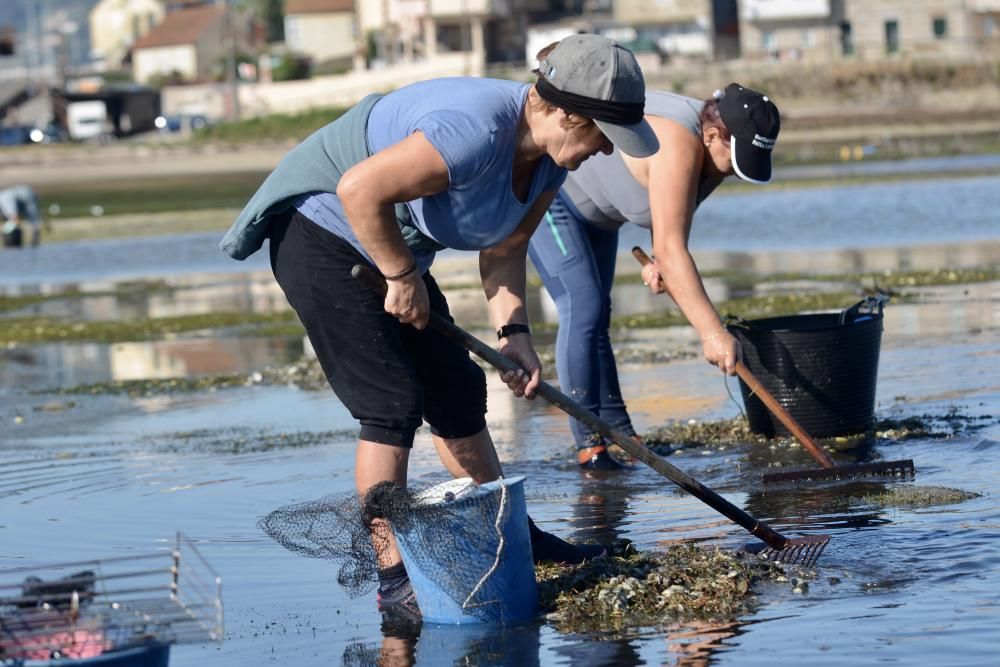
pixel 195 294
pixel 822 507
pixel 600 653
pixel 601 512
pixel 72 364
pixel 694 643
pixel 817 506
pixel 405 644
pixel 186 358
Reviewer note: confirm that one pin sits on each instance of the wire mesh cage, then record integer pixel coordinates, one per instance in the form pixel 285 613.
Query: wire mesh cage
pixel 86 609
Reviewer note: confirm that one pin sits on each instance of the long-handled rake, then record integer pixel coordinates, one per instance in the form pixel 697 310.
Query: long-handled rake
pixel 830 470
pixel 799 551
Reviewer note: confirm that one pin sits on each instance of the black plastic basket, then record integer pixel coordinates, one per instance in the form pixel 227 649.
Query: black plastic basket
pixel 821 368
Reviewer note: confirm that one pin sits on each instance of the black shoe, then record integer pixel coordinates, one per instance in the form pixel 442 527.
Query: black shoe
pixel 399 603
pixel 548 547
pixel 597 458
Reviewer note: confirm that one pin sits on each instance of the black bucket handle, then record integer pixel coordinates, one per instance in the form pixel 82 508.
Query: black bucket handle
pixel 730 320
pixel 869 308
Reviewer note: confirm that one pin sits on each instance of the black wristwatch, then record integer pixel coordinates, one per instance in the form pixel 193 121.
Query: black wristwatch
pixel 515 328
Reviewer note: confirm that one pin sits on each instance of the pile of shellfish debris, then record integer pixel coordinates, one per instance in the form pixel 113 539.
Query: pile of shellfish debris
pixel 640 589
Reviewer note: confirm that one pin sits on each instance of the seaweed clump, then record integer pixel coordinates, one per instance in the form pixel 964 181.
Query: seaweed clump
pixel 693 433
pixel 684 582
pixel 736 431
pixel 917 496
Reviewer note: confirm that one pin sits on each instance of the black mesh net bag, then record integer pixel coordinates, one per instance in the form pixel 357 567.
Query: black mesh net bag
pixel 466 547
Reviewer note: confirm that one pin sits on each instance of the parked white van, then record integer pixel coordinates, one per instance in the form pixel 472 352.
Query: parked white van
pixel 86 120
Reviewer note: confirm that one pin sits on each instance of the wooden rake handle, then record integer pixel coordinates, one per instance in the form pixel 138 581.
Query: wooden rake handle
pixel 452 331
pixel 766 398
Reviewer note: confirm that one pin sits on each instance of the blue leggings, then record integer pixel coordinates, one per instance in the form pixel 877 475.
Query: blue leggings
pixel 576 261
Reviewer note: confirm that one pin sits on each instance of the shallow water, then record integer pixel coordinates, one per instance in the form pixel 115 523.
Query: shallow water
pixel 97 476
pixel 919 583
pixel 909 213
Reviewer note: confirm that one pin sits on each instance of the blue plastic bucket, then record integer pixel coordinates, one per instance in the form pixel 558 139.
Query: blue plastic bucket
pixel 467 550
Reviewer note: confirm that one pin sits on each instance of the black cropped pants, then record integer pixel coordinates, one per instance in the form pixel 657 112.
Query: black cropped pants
pixel 389 375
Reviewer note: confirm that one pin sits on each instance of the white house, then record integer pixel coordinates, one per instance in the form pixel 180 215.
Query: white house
pixel 321 29
pixel 115 25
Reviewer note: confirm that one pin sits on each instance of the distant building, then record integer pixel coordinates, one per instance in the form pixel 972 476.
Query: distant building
pixel 115 25
pixel 985 20
pixel 867 30
pixel 791 30
pixel 488 30
pixel 876 29
pixel 677 27
pixel 191 43
pixel 321 29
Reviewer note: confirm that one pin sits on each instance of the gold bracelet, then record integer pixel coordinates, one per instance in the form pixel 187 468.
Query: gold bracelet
pixel 713 334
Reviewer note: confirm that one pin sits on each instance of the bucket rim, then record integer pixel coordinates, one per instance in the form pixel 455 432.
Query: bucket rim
pixel 763 324
pixel 462 488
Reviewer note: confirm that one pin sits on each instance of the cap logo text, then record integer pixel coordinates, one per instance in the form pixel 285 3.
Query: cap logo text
pixel 763 142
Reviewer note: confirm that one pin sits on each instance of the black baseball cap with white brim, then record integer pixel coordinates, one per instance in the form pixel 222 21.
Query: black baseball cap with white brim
pixel 594 77
pixel 753 121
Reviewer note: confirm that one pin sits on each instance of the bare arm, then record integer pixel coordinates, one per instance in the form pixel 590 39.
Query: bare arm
pixel 674 174
pixel 368 191
pixel 502 269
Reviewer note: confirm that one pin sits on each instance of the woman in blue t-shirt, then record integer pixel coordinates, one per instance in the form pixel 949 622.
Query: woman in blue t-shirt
pixel 470 164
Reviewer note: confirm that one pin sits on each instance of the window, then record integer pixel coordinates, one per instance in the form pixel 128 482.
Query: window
pixel 846 39
pixel 808 38
pixel 892 36
pixel 768 41
pixel 293 32
pixel 940 27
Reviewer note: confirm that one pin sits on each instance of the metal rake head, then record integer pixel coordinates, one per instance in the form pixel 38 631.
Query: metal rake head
pixel 902 469
pixel 803 551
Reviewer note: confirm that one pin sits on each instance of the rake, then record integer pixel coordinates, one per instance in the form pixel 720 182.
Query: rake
pixel 830 471
pixel 803 551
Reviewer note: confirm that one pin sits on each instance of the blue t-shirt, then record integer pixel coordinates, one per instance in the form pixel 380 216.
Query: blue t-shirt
pixel 472 123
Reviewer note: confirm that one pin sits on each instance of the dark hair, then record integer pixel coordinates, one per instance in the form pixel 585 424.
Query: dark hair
pixel 710 117
pixel 544 52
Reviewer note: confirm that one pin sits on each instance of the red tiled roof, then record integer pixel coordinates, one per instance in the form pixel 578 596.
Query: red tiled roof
pixel 182 26
pixel 318 6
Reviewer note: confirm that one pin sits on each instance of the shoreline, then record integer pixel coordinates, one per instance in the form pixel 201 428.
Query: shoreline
pixel 139 207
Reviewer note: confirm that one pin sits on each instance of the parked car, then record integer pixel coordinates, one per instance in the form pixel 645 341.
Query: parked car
pixel 48 134
pixel 15 135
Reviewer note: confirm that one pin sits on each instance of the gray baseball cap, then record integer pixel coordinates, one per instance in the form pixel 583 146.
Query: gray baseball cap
pixel 597 78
